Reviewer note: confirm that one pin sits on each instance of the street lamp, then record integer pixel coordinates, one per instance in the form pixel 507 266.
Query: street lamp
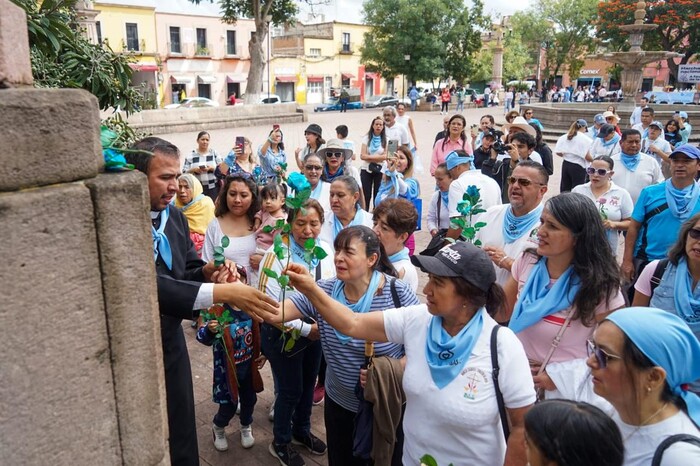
pixel 407 58
pixel 268 20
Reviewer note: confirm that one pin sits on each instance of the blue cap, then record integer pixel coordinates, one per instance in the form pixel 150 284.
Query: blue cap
pixel 581 123
pixel 599 119
pixel 689 151
pixel 683 115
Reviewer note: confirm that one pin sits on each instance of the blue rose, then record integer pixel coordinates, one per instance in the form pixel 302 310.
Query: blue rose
pixel 464 207
pixel 298 182
pixel 473 191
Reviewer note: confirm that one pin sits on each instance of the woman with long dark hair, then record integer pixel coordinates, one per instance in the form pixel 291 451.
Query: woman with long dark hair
pixel 456 139
pixel 573 147
pixel 566 285
pixel 373 154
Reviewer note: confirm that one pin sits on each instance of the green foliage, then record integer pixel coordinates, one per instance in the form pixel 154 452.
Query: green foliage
pixel 219 257
pixel 518 60
pixel 441 37
pixel 225 319
pixel 62 57
pixel 428 460
pixel 282 11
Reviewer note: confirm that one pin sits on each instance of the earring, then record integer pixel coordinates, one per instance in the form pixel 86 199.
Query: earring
pixel 648 389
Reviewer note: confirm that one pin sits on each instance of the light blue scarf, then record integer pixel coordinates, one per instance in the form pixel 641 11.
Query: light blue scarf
pixel 357 220
pixel 687 305
pixel 515 227
pixel 681 202
pixel 447 355
pixel 445 195
pixel 316 192
pixel 298 254
pixel 615 139
pixel 388 187
pixel 362 306
pixel 375 144
pixel 631 162
pixel 399 256
pixel 161 245
pixel 669 343
pixel 198 198
pixel 537 300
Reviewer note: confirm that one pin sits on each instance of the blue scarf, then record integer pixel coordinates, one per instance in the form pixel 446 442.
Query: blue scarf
pixel 298 254
pixel 447 355
pixel 687 305
pixel 161 245
pixel 537 300
pixel 357 220
pixel 316 192
pixel 198 198
pixel 445 195
pixel 399 256
pixel 615 139
pixel 515 227
pixel 375 144
pixel 681 202
pixel 362 306
pixel 328 177
pixel 389 187
pixel 631 162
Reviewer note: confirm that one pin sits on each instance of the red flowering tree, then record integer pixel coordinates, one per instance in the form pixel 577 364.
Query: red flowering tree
pixel 678 26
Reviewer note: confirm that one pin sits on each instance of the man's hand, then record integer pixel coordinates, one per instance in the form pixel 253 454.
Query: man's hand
pixel 256 304
pixel 627 268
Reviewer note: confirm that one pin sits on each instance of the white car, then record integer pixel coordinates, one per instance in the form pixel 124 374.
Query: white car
pixel 262 99
pixel 194 102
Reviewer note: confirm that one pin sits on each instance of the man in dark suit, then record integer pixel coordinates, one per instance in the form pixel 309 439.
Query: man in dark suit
pixel 183 288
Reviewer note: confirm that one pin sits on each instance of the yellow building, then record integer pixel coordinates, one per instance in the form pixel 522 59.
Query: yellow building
pixel 311 61
pixel 130 27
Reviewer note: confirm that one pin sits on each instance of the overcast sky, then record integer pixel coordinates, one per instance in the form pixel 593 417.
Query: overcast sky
pixel 347 10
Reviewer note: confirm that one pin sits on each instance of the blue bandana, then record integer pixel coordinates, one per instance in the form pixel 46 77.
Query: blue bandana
pixel 328 177
pixel 687 305
pixel 357 220
pixel 447 355
pixel 631 162
pixel 362 306
pixel 537 300
pixel 445 195
pixel 615 139
pixel 161 245
pixel 670 344
pixel 375 144
pixel 399 256
pixel 316 192
pixel 453 159
pixel 681 202
pixel 515 227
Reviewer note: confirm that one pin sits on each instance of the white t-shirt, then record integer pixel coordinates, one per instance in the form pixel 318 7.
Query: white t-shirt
pixel 488 189
pixel 492 235
pixel 574 150
pixel 404 120
pixel 410 274
pixel 459 424
pixel 398 132
pixel 648 172
pixel 640 444
pixel 660 143
pixel 239 249
pixel 616 204
pixel 642 130
pixel 597 148
pixel 437 220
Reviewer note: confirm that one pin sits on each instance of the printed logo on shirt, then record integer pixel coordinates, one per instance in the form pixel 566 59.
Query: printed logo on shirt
pixel 476 379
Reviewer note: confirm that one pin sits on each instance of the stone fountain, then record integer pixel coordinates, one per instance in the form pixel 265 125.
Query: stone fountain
pixel 634 60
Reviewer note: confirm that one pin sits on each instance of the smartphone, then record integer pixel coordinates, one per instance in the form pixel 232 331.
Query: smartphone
pixel 240 141
pixel 275 127
pixel 392 147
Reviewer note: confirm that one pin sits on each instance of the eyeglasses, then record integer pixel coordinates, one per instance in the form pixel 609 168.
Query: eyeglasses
pixel 601 356
pixel 598 171
pixel 334 154
pixel 524 182
pixel 317 168
pixel 694 233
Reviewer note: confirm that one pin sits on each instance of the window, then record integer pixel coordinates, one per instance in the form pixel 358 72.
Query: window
pixel 314 52
pixel 204 90
pixel 346 42
pixel 175 40
pixel 314 87
pixel 98 31
pixel 132 36
pixel 201 38
pixel 231 43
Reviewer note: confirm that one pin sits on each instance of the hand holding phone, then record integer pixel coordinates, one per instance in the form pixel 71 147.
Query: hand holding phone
pixel 240 141
pixel 392 147
pixel 275 127
pixel 474 130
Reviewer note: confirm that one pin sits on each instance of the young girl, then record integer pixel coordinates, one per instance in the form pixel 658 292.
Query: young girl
pixel 237 362
pixel 273 196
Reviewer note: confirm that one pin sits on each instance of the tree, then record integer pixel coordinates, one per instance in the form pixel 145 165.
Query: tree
pixel 278 11
pixel 63 57
pixel 440 36
pixel 517 59
pixel 678 31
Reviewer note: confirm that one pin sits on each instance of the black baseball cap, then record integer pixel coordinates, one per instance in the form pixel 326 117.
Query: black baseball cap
pixel 461 259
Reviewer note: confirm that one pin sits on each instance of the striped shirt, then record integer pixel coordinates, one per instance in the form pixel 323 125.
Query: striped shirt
pixel 344 361
pixel 210 160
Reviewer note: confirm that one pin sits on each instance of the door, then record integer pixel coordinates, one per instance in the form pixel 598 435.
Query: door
pixel 285 91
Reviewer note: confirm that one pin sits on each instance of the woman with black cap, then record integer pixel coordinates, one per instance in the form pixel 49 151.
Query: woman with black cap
pixel 452 411
pixel 314 142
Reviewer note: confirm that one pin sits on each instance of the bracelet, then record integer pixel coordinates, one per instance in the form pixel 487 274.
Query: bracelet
pixel 501 261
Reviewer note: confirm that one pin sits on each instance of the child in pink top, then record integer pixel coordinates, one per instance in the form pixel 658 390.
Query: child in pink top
pixel 273 197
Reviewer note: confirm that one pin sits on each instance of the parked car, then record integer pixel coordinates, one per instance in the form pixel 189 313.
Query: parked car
pixel 194 102
pixel 262 99
pixel 334 105
pixel 477 98
pixel 381 100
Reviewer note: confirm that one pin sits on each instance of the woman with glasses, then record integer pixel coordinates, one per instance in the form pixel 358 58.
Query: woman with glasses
pixel 510 116
pixel 320 190
pixel 372 154
pixel 336 161
pixel 573 147
pixel 613 202
pixel 641 360
pixel 563 288
pixel 672 284
pixel 528 113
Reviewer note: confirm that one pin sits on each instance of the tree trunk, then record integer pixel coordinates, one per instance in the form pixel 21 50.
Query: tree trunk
pixel 254 87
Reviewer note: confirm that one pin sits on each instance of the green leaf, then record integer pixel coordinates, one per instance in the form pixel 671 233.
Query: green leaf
pixel 279 223
pixel 304 194
pixel 477 242
pixel 225 242
pixel 286 228
pixel 289 202
pixel 320 253
pixel 309 244
pixel 270 273
pixel 268 229
pixel 283 280
pixel 218 250
pixel 478 211
pixel 295 333
pixel 289 344
pixel 469 232
pixel 457 222
pixel 428 460
pixel 478 225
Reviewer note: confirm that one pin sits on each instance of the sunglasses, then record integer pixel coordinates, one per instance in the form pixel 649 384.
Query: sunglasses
pixel 317 168
pixel 694 233
pixel 524 182
pixel 334 154
pixel 601 356
pixel 598 171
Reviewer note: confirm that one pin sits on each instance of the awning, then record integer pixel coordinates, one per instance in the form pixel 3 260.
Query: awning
pixel 232 78
pixel 180 79
pixel 314 78
pixel 371 76
pixel 206 78
pixel 286 79
pixel 143 67
pixel 348 76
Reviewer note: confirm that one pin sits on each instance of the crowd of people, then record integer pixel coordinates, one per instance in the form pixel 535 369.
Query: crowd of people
pixel 533 344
